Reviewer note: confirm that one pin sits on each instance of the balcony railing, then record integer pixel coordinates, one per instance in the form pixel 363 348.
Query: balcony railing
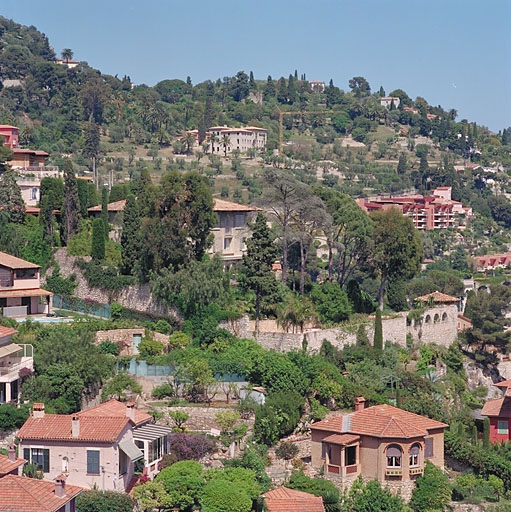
pixel 393 472
pixel 416 471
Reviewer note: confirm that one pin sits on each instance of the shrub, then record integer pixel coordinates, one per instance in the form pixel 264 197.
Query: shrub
pixel 179 339
pixel 286 450
pixel 162 326
pixel 433 491
pixel 109 347
pixel 191 446
pixel 331 302
pixel 116 310
pixel 60 285
pixel 98 501
pixel 163 391
pixel 12 417
pixel 149 348
pixel 247 407
pixel 179 418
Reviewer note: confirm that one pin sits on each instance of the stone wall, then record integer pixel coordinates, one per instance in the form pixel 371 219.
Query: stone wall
pixel 437 325
pixel 136 297
pixel 123 338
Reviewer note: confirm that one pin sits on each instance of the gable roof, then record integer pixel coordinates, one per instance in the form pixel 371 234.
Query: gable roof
pixel 284 499
pixel 23 494
pixel 114 408
pixel 497 407
pixel 57 427
pixel 7 331
pixel 221 205
pixel 438 298
pixel 9 261
pixel 116 206
pixel 6 465
pixel 383 421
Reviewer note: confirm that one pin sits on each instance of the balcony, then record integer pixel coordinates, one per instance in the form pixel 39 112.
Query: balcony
pixel 393 472
pixel 341 471
pixel 416 471
pixel 9 370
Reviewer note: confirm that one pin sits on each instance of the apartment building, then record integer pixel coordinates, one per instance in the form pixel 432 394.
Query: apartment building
pixel 436 211
pixel 243 139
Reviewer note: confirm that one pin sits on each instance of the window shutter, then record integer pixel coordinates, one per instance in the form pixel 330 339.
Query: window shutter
pixel 93 462
pixel 26 454
pixel 46 461
pixel 428 447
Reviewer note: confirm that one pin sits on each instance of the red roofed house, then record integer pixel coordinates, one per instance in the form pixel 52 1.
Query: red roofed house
pixel 493 261
pixel 98 446
pixel 498 411
pixel 23 494
pixel 20 288
pixel 9 464
pixel 382 442
pixel 284 499
pixel 14 360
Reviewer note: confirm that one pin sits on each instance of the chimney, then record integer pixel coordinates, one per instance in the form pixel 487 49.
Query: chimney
pixel 75 426
pixel 11 450
pixel 60 486
pixel 360 403
pixel 130 410
pixel 38 410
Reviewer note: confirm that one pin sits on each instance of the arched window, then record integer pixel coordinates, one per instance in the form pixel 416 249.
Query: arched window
pixel 65 464
pixel 437 318
pixel 394 455
pixel 444 317
pixel 428 319
pixel 415 455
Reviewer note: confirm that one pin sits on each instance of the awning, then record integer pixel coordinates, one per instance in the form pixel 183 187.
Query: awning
pixel 131 450
pixel 9 349
pixel 32 292
pixel 151 432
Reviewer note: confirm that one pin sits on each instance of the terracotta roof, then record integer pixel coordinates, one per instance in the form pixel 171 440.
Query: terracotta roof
pixel 284 499
pixel 439 298
pixel 6 465
pixel 384 421
pixel 113 408
pixel 341 439
pixel 116 206
pixel 497 407
pixel 9 261
pixel 7 331
pixel 29 152
pixel 58 427
pixel 4 126
pixel 503 383
pixel 30 292
pixel 221 205
pixel 23 494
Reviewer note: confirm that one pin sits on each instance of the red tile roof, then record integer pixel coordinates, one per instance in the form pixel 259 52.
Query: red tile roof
pixel 7 331
pixel 6 465
pixel 116 206
pixel 228 206
pixel 503 384
pixel 23 494
pixel 57 427
pixel 497 407
pixel 284 499
pixel 438 298
pixel 341 439
pixel 114 408
pixel 29 292
pixel 383 421
pixel 9 261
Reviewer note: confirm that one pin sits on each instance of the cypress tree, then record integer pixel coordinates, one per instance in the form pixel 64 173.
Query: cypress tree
pixel 251 81
pixel 486 433
pixel 71 201
pixel 381 93
pixel 98 240
pixel 130 237
pixel 402 164
pixel 46 215
pixel 378 332
pixel 10 196
pixel 83 196
pixel 104 211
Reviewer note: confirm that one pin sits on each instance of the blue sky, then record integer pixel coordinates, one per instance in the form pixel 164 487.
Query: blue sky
pixel 454 53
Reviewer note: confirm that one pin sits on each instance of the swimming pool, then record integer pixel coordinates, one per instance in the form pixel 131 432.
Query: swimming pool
pixel 47 319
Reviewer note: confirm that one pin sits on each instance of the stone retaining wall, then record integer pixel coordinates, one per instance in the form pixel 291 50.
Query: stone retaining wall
pixel 123 338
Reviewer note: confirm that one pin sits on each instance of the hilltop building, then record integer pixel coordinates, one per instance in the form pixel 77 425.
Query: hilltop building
pixel 493 261
pixel 381 443
pixel 437 211
pixel 317 86
pixel 388 101
pixel 243 139
pixel 69 63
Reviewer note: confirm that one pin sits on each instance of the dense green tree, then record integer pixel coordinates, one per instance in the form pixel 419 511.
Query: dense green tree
pixel 257 274
pixel 396 294
pixel 91 144
pixel 331 302
pixel 5 156
pixel 104 211
pixel 223 496
pixel 397 248
pixel 371 497
pixel 130 236
pixel 360 86
pixel 402 164
pixel 71 205
pixel 98 240
pixel 10 197
pixel 107 501
pixel 378 333
pixel 433 490
pixel 269 90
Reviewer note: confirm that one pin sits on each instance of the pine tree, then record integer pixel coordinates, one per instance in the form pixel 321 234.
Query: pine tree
pixel 71 201
pixel 130 237
pixel 381 93
pixel 257 272
pixel 402 164
pixel 104 211
pixel 269 89
pixel 98 240
pixel 282 90
pixel 378 332
pixel 10 196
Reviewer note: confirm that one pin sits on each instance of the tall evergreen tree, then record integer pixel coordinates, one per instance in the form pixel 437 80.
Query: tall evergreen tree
pixel 47 205
pixel 10 197
pixel 282 90
pixel 91 145
pixel 292 90
pixel 402 164
pixel 251 81
pixel 71 201
pixel 104 210
pixel 130 237
pixel 378 332
pixel 257 272
pixel 98 240
pixel 381 92
pixel 83 196
pixel 269 89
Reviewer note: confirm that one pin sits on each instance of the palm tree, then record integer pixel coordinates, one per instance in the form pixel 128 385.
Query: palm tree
pixel 189 140
pixel 67 54
pixel 226 142
pixel 296 312
pixel 213 139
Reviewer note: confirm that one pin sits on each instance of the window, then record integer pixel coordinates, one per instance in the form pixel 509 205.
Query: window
pixel 227 243
pixel 25 273
pixel 394 456
pixel 414 455
pixel 39 456
pixel 158 448
pixel 428 447
pixel 239 220
pixel 502 427
pixel 326 451
pixel 33 194
pixel 93 462
pixel 351 455
pixel 123 463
